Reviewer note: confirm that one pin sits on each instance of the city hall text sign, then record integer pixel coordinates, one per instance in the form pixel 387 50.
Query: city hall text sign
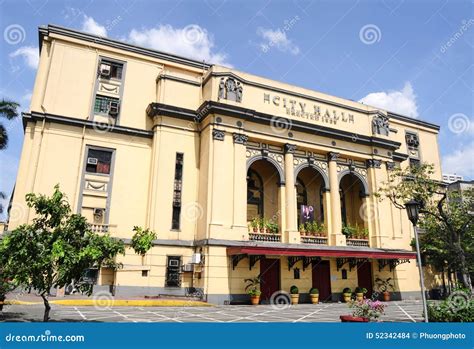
pixel 307 111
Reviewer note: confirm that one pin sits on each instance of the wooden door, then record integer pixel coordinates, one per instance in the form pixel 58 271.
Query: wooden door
pixel 322 279
pixel 364 277
pixel 269 277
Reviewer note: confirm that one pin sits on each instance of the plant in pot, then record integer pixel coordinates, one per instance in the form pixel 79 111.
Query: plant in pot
pixel 314 295
pixel 295 295
pixel 302 229
pixel 346 294
pixel 364 311
pixel 348 231
pixel 360 291
pixel 261 224
pixel 254 224
pixel 383 286
pixel 273 227
pixel 253 289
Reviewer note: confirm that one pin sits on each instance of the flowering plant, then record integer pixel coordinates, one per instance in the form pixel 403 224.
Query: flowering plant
pixel 367 308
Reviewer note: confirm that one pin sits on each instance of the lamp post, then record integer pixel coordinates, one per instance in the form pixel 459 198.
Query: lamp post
pixel 413 208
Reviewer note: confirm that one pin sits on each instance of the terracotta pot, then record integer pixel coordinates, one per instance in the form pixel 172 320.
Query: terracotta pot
pixel 262 230
pixel 314 298
pixel 359 297
pixel 295 298
pixel 386 296
pixel 347 297
pixel 255 300
pixel 350 318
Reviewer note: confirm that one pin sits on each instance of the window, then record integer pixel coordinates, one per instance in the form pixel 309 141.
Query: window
pixel 414 163
pixel 254 195
pixel 178 187
pixel 98 161
pixel 173 276
pixel 114 70
pixel 102 104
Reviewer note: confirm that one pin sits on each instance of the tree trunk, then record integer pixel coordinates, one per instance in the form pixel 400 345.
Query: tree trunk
pixel 47 308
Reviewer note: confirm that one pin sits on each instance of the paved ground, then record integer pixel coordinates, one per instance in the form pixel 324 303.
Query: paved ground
pixel 403 311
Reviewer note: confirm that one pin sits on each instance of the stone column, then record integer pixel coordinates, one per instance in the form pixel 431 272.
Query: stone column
pixel 336 238
pixel 218 183
pixel 371 205
pixel 239 221
pixel 292 234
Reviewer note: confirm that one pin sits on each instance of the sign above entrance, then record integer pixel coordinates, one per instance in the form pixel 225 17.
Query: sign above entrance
pixel 304 110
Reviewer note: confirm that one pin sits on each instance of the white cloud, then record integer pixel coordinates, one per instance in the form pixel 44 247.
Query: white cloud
pixel 460 161
pixel 276 38
pixel 403 101
pixel 29 54
pixel 89 25
pixel 191 41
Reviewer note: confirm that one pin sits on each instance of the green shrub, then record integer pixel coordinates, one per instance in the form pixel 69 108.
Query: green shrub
pixel 347 290
pixel 294 290
pixel 313 290
pixel 446 311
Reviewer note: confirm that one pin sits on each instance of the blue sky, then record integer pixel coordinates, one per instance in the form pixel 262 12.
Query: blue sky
pixel 413 57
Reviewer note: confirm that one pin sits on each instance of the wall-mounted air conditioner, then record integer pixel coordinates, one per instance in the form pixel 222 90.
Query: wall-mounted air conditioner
pixel 196 258
pixel 92 161
pixel 104 70
pixel 187 267
pixel 114 108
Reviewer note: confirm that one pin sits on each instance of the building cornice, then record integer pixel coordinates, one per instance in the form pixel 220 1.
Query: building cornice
pixel 58 30
pixel 65 120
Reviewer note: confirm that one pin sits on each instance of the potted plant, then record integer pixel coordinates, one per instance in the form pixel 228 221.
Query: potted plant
pixel 273 227
pixel 360 291
pixel 347 293
pixel 383 286
pixel 302 229
pixel 365 233
pixel 261 224
pixel 253 289
pixel 295 295
pixel 314 295
pixel 348 231
pixel 254 225
pixel 364 311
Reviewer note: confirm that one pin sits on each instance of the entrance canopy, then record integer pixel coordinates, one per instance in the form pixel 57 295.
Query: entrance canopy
pixel 336 252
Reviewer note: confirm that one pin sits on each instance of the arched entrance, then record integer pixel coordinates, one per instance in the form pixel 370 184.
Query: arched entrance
pixel 353 191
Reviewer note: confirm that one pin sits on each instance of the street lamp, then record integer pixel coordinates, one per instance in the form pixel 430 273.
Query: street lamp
pixel 413 210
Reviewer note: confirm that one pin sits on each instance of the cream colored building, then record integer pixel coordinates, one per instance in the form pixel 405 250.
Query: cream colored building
pixel 196 152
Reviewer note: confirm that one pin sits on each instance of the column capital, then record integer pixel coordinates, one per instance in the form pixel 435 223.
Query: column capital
pixel 373 163
pixel 290 148
pixel 332 156
pixel 390 165
pixel 240 138
pixel 218 134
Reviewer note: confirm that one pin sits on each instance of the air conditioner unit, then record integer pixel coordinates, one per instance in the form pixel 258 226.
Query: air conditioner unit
pixel 114 108
pixel 104 70
pixel 196 258
pixel 98 212
pixel 187 267
pixel 92 161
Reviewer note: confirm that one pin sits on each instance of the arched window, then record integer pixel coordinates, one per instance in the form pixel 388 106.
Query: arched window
pixel 254 195
pixel 301 196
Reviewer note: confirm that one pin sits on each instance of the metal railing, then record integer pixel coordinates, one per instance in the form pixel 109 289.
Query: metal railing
pixel 357 242
pixel 316 240
pixel 264 237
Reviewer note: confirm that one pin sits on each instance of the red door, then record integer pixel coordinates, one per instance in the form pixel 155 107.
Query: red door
pixel 364 277
pixel 269 277
pixel 322 279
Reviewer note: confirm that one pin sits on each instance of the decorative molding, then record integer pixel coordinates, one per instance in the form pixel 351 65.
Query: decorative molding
pixel 320 166
pixel 218 135
pixel 381 125
pixel 277 159
pixel 240 138
pixel 374 163
pixel 332 156
pixel 290 148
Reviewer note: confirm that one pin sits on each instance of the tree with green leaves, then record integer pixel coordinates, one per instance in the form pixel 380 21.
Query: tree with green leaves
pixel 142 240
pixel 9 110
pixel 446 218
pixel 55 249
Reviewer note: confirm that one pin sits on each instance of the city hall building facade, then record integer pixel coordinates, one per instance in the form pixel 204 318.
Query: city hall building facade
pixel 226 167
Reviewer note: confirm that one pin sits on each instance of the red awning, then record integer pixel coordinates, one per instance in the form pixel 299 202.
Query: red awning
pixel 376 254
